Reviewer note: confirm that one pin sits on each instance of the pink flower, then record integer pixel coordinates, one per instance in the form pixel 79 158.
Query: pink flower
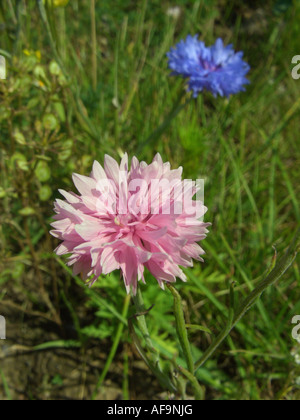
pixel 131 219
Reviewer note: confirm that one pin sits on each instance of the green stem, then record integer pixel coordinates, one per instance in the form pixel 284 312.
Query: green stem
pixel 5 386
pixel 62 32
pixel 114 348
pixel 277 272
pixel 163 379
pixel 152 362
pixel 94 44
pixel 80 110
pixel 198 390
pixel 17 41
pixel 185 344
pixel 53 45
pixel 141 320
pixel 181 329
pixel 155 135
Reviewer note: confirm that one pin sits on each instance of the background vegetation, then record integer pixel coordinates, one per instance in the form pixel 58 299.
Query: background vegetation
pixel 101 85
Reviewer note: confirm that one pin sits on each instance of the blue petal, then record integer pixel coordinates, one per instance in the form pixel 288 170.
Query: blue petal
pixel 218 69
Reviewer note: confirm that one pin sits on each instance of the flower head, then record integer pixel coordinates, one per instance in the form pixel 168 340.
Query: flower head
pixel 131 219
pixel 218 68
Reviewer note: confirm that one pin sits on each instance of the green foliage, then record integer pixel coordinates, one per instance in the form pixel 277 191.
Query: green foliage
pixel 53 123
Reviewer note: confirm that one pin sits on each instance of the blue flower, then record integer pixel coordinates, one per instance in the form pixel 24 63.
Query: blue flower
pixel 218 68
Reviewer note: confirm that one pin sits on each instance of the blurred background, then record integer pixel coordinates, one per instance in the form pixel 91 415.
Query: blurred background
pixel 91 77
